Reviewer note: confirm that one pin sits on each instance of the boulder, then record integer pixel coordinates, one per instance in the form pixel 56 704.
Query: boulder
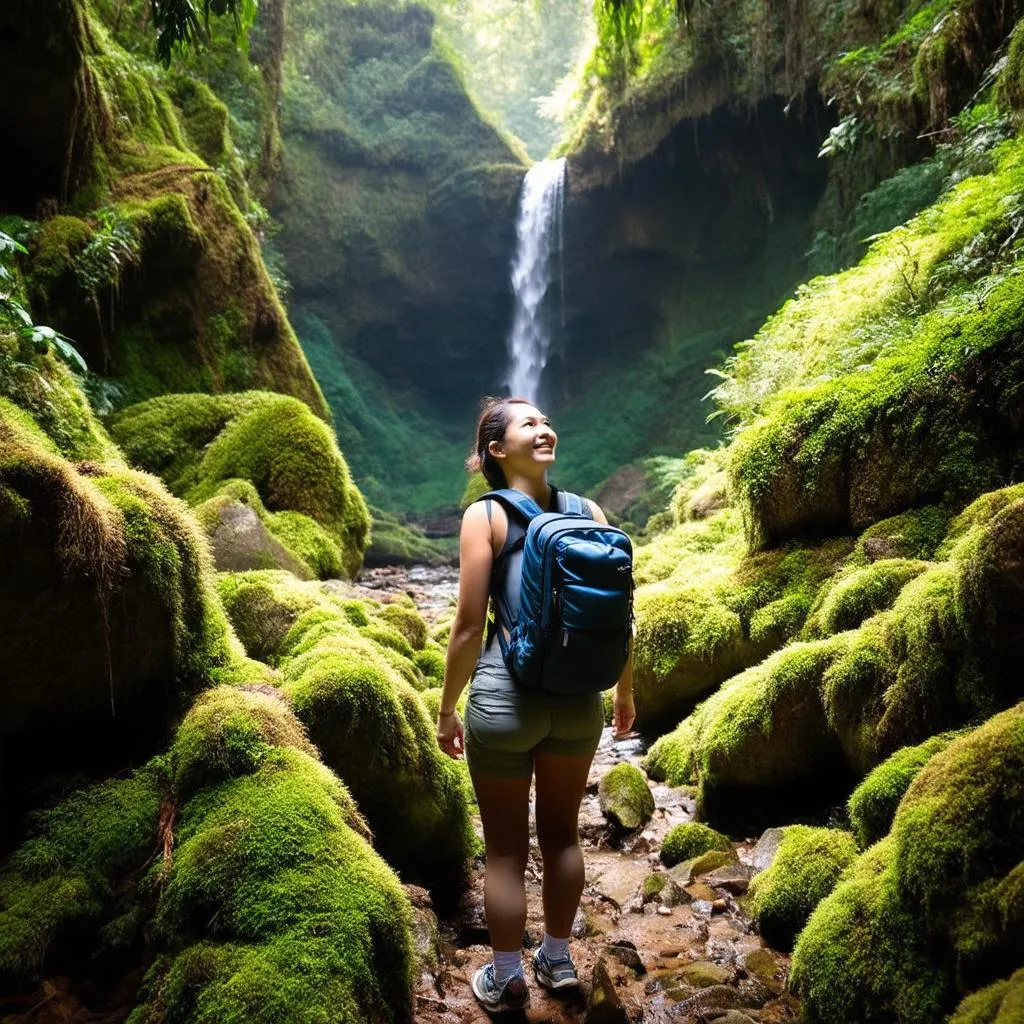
pixel 625 798
pixel 240 541
pixel 766 848
pixel 691 840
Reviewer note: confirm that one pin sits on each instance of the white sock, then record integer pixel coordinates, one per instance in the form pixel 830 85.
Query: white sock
pixel 555 949
pixel 506 965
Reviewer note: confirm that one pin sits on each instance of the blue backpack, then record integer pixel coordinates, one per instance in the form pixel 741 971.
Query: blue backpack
pixel 574 622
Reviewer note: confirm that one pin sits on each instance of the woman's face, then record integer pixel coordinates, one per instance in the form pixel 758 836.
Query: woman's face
pixel 529 440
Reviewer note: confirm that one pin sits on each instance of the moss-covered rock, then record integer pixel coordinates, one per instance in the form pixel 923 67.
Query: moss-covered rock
pixel 267 450
pixel 431 662
pixel 104 558
pixel 393 542
pixel 872 805
pixel 805 870
pixel 136 180
pixel 933 911
pixel 940 657
pixel 856 595
pixel 267 902
pixel 689 840
pixel 63 881
pixel 348 674
pixel 853 449
pixel 705 612
pixel 1002 1002
pixel 625 798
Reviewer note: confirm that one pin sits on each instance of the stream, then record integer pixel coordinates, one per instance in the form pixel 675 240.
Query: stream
pixel 690 956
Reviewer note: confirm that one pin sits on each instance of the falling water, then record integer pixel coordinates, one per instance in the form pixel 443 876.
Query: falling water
pixel 538 240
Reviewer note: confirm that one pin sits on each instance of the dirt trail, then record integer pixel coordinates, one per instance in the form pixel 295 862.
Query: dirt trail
pixel 696 961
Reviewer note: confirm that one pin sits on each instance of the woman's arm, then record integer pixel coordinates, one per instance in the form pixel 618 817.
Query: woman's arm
pixel 623 709
pixel 475 560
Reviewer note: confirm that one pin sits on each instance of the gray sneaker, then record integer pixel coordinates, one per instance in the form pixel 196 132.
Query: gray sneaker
pixel 554 974
pixel 511 995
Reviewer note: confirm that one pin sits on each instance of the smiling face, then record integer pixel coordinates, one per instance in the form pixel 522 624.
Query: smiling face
pixel 529 442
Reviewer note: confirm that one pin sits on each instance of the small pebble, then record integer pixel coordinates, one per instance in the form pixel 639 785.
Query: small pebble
pixel 665 911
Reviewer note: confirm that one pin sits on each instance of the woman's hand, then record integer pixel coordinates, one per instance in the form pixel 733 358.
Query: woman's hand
pixel 623 712
pixel 449 734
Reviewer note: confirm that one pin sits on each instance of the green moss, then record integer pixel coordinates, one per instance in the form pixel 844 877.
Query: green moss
pixel 363 714
pixel 55 246
pixel 916 534
pixel 279 908
pixel 371 728
pixel 63 881
pixel 625 797
pixel 305 538
pixel 806 868
pixel 199 443
pixel 1002 1002
pixel 872 805
pixel 408 622
pixel 228 733
pixel 431 662
pixel 765 730
pixel 689 840
pixel 853 448
pixel 672 757
pixel 707 611
pixel 859 593
pixel 163 542
pixel 909 931
pixel 263 605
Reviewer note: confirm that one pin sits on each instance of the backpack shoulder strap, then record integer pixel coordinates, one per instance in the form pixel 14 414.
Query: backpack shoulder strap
pixel 572 504
pixel 526 508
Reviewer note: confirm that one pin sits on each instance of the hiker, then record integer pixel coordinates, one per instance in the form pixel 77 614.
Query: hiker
pixel 514 732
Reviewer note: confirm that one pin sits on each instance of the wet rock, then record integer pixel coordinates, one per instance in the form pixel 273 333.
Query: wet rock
pixel 626 954
pixel 734 878
pixel 700 891
pixel 605 1005
pixel 660 886
pixel 239 541
pixel 762 965
pixel 704 974
pixel 688 870
pixel 766 848
pixel 619 880
pixel 706 1001
pixel 426 933
pixel 625 799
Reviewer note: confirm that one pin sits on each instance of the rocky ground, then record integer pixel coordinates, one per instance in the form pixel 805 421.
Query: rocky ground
pixel 688 955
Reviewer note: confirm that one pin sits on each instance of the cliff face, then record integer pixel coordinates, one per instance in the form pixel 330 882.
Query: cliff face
pixel 142 253
pixel 397 199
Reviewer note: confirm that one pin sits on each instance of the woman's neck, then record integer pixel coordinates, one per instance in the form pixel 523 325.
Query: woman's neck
pixel 536 487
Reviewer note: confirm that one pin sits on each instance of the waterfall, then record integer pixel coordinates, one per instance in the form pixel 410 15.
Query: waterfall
pixel 539 239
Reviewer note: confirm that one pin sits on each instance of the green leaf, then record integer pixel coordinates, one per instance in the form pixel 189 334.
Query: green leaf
pixel 69 353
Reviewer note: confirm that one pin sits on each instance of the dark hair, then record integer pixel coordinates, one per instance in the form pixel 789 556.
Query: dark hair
pixel 495 416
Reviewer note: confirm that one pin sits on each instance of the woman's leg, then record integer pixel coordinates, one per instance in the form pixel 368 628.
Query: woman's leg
pixel 561 781
pixel 505 811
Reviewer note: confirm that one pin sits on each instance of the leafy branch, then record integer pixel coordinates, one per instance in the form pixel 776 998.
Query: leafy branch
pixel 183 23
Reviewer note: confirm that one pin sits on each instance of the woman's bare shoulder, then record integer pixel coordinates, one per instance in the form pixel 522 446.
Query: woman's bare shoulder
pixel 596 512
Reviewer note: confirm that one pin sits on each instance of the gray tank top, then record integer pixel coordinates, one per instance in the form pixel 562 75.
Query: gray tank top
pixel 506 576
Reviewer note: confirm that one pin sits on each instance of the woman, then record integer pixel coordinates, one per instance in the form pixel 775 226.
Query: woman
pixel 512 734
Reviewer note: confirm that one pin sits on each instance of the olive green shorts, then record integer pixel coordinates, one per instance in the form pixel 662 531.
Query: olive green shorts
pixel 506 725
